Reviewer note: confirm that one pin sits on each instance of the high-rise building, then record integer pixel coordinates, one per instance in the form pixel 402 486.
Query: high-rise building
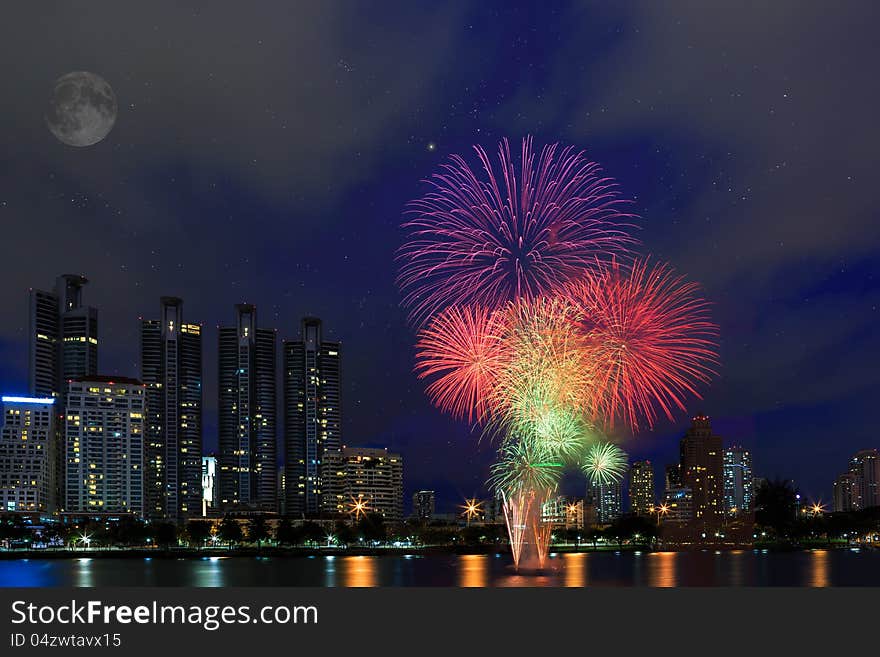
pixel 865 468
pixel 738 480
pixel 372 476
pixel 607 499
pixel 641 488
pixel 104 439
pixel 27 455
pixel 679 503
pixel 209 484
pixel 702 469
pixel 673 476
pixel 247 429
pixel 562 511
pixel 423 505
pixel 312 421
pixel 171 369
pixel 845 493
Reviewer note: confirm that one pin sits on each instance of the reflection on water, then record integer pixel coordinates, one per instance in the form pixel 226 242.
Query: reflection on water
pixel 575 569
pixel 819 570
pixel 209 572
pixel 330 570
pixel 360 571
pixel 84 576
pixel 662 572
pixel 473 570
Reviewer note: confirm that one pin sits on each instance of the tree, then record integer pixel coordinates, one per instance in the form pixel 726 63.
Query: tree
pixel 776 506
pixel 257 530
pixel 285 534
pixel 230 531
pixel 372 527
pixel 166 534
pixel 313 533
pixel 198 533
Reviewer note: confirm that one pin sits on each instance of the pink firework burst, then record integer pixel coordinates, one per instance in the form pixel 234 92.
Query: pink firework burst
pixel 517 232
pixel 461 351
pixel 652 340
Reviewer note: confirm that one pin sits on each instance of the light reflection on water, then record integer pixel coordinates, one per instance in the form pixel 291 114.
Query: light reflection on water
pixel 662 569
pixel 473 570
pixel 360 571
pixel 575 569
pixel 819 572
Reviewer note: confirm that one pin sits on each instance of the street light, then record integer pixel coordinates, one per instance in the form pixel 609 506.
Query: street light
pixel 661 510
pixel 471 509
pixel 358 507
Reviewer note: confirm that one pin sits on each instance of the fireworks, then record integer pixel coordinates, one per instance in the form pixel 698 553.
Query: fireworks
pixel 525 466
pixel 461 350
pixel 605 464
pixel 651 339
pixel 518 232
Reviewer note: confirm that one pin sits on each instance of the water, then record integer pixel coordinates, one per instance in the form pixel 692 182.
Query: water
pixel 707 568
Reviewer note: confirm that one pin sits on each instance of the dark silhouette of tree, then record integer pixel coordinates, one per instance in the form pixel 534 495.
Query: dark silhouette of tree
pixel 257 530
pixel 344 533
pixel 166 534
pixel 285 533
pixel 198 533
pixel 230 531
pixel 313 533
pixel 776 507
pixel 372 527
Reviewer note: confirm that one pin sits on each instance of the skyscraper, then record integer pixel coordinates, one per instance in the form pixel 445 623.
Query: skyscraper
pixel 247 428
pixel 738 480
pixel 607 499
pixel 312 420
pixel 63 337
pixel 373 476
pixel 702 466
pixel 104 438
pixel 865 468
pixel 673 476
pixel 171 369
pixel 27 455
pixel 641 488
pixel 845 493
pixel 209 484
pixel 423 505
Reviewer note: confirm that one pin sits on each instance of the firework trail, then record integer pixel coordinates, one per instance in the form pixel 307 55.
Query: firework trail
pixel 517 232
pixel 461 350
pixel 605 464
pixel 652 341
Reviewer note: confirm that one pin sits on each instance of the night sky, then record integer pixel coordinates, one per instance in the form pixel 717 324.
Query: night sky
pixel 264 153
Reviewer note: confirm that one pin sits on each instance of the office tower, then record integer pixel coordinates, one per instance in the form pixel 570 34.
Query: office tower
pixel 63 338
pixel 673 476
pixel 845 493
pixel 171 369
pixel 702 466
pixel 312 419
pixel 679 505
pixel 865 468
pixel 209 484
pixel 562 511
pixel 247 429
pixel 738 480
pixel 607 499
pixel 641 488
pixel 27 455
pixel 104 439
pixel 372 476
pixel 423 505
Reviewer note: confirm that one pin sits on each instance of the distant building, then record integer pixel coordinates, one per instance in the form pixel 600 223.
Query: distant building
pixel 209 484
pixel 673 475
pixel 680 505
pixel 865 468
pixel 423 505
pixel 372 476
pixel 171 369
pixel 104 443
pixel 641 488
pixel 312 422
pixel 565 512
pixel 702 470
pixel 27 455
pixel 248 445
pixel 738 480
pixel 845 493
pixel 607 499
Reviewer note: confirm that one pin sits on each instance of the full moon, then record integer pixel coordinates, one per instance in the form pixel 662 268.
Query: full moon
pixel 82 109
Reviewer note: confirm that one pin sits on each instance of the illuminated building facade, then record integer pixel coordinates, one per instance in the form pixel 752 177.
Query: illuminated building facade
pixel 738 480
pixel 372 475
pixel 679 503
pixel 248 442
pixel 423 505
pixel 702 470
pixel 564 512
pixel 845 493
pixel 641 488
pixel 171 369
pixel 27 455
pixel 104 439
pixel 607 500
pixel 865 469
pixel 312 421
pixel 209 484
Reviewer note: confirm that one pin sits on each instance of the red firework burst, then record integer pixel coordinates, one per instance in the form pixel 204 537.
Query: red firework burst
pixel 515 234
pixel 652 339
pixel 461 350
